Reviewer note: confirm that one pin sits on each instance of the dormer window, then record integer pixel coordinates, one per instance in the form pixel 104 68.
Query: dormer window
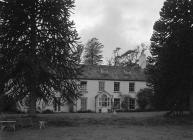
pixel 101 85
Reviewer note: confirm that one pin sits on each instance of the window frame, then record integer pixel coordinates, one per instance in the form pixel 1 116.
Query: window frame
pixel 101 85
pixel 83 87
pixel 132 103
pixel 83 103
pixel 104 102
pixel 131 88
pixel 116 86
pixel 117 102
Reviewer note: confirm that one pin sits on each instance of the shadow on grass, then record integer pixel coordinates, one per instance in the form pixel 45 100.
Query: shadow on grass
pixel 66 121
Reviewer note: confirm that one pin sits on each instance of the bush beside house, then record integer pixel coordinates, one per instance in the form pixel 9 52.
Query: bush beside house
pixel 8 104
pixel 145 99
pixel 125 104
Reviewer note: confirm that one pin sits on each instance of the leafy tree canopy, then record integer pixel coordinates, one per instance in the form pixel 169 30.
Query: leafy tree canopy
pixel 39 48
pixel 170 67
pixel 145 98
pixel 127 59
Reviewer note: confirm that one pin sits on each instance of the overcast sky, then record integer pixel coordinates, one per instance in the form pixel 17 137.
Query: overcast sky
pixel 116 23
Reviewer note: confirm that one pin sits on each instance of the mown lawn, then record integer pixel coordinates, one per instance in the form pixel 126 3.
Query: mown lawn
pixel 122 126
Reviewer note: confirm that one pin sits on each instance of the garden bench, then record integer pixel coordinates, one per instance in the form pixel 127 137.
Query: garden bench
pixel 7 124
pixel 42 124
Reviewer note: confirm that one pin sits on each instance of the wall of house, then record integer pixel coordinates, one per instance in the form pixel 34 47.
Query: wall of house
pixel 93 90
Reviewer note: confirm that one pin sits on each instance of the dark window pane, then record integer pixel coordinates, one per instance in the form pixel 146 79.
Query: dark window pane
pixel 101 86
pixel 131 87
pixel 83 85
pixel 116 86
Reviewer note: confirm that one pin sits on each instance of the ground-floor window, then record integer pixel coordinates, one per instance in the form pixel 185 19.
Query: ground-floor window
pixel 117 103
pixel 132 103
pixel 83 101
pixel 104 101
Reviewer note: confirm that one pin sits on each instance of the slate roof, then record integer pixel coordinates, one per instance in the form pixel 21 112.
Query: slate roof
pixel 115 73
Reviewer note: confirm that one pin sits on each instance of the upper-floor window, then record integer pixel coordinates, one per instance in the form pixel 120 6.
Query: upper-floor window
pixel 116 86
pixel 83 85
pixel 131 87
pixel 101 85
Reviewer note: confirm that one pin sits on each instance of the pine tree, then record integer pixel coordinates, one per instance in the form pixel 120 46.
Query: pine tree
pixel 93 52
pixel 40 49
pixel 170 69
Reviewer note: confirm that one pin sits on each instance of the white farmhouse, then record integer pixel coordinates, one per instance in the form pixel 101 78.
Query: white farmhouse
pixel 103 88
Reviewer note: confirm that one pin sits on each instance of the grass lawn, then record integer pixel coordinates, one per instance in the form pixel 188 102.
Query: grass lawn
pixel 122 126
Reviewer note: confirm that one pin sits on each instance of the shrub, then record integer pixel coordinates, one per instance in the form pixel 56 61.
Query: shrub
pixel 7 104
pixel 145 98
pixel 85 111
pixel 47 111
pixel 125 104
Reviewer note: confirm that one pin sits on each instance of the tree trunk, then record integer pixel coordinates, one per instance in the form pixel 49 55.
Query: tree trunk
pixel 32 104
pixel 191 103
pixel 32 108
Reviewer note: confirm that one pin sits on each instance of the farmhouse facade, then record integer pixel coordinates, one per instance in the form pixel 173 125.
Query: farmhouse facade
pixel 104 88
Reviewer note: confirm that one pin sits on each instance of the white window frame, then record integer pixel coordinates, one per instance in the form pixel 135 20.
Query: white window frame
pixel 130 87
pixel 83 87
pixel 115 89
pixel 83 103
pixel 117 102
pixel 101 85
pixel 132 102
pixel 104 102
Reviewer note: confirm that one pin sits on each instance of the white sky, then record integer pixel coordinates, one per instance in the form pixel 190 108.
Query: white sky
pixel 116 23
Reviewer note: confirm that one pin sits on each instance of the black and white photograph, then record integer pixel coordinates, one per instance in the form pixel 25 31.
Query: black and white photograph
pixel 96 69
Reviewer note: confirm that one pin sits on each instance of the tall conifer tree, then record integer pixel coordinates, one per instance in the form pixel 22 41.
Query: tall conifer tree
pixel 39 46
pixel 170 69
pixel 93 50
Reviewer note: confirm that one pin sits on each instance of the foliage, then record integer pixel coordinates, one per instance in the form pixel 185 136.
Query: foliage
pixel 93 50
pixel 170 67
pixel 131 57
pixel 145 98
pixel 7 104
pixel 47 111
pixel 85 111
pixel 128 58
pixel 125 103
pixel 40 49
